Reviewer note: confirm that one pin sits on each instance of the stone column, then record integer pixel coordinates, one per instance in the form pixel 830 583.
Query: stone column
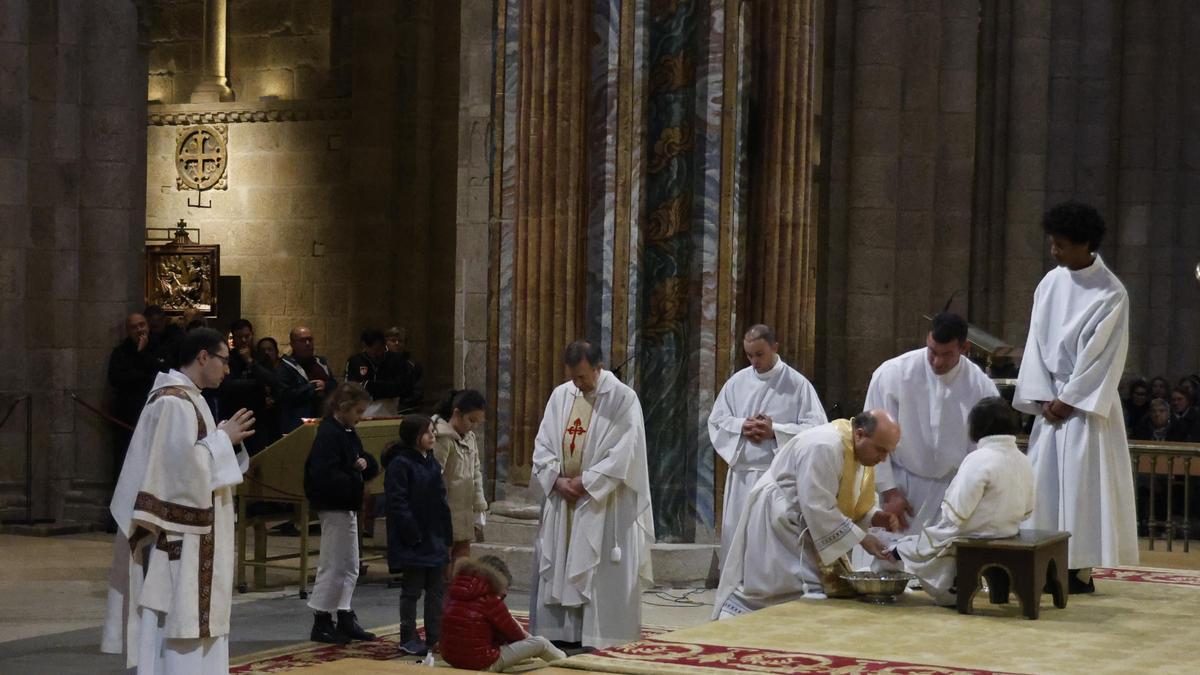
pixel 214 83
pixel 781 259
pixel 547 300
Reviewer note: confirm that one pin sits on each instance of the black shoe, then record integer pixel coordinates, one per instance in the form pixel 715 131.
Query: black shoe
pixel 347 626
pixel 414 647
pixel 323 630
pixel 566 644
pixel 1077 587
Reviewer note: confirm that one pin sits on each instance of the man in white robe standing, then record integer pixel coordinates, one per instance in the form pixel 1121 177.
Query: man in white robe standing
pixel 1072 365
pixel 929 391
pixel 989 497
pixel 760 408
pixel 806 513
pixel 171 583
pixel 592 554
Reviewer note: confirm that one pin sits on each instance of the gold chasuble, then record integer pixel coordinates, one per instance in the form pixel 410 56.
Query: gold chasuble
pixel 852 508
pixel 855 499
pixel 573 442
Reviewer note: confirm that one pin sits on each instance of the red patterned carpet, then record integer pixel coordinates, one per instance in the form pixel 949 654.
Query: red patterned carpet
pixel 804 638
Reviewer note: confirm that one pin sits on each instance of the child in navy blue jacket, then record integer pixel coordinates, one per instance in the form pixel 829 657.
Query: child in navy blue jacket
pixel 334 476
pixel 418 528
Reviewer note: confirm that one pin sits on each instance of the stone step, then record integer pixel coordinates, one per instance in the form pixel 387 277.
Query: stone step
pixel 502 530
pixel 675 565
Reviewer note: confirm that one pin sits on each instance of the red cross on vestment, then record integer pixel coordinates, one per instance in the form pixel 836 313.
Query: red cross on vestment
pixel 575 430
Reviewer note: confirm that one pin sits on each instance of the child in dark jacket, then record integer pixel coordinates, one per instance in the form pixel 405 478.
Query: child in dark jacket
pixel 334 476
pixel 478 632
pixel 418 529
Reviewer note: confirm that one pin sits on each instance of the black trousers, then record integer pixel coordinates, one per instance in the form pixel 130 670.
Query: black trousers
pixel 413 582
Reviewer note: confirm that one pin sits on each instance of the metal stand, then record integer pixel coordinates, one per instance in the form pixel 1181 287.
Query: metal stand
pixel 28 519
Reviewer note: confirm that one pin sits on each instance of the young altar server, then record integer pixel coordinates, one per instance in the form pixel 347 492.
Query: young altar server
pixel 592 553
pixel 171 582
pixel 759 409
pixel 335 473
pixel 807 512
pixel 929 391
pixel 989 497
pixel 1070 372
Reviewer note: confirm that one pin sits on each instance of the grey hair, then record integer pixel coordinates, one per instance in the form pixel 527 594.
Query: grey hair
pixel 760 331
pixel 865 421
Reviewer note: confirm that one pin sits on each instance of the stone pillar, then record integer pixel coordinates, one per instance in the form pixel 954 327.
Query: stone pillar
pixel 72 170
pixel 781 287
pixel 549 231
pixel 214 83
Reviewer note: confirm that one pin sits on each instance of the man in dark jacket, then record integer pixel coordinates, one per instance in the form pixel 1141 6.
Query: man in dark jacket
pixel 381 372
pixel 305 379
pixel 409 371
pixel 247 383
pixel 132 367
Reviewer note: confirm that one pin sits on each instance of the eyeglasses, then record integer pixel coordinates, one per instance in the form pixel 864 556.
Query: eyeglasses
pixel 224 359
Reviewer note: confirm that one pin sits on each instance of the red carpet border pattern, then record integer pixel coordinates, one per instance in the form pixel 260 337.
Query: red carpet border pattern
pixel 698 656
pixel 1150 576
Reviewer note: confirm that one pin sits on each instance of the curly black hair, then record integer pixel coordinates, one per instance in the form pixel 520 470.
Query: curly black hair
pixel 1077 222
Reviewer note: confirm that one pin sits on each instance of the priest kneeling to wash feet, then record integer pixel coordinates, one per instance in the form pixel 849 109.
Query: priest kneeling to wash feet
pixel 989 497
pixel 806 513
pixel 592 554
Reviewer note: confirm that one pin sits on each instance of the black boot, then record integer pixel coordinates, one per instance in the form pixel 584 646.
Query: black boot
pixel 348 627
pixel 323 630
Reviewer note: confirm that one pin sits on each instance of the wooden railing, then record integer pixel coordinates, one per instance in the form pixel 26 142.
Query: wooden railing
pixel 1162 473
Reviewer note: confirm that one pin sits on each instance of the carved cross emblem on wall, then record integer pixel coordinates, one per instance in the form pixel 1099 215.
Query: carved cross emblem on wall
pixel 201 157
pixel 574 431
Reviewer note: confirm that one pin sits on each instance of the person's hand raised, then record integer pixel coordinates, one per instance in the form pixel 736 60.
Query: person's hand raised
pixel 239 427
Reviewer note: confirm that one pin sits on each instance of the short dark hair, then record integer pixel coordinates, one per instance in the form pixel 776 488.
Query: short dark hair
pixel 760 331
pixel 411 428
pixel 948 326
pixel 582 350
pixel 196 324
pixel 1079 223
pixel 198 340
pixel 346 396
pixel 273 341
pixel 239 324
pixel 1187 393
pixel 865 421
pixel 372 336
pixel 992 416
pixel 463 400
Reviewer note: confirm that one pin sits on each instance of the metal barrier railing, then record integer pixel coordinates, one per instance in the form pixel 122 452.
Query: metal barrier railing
pixel 1161 471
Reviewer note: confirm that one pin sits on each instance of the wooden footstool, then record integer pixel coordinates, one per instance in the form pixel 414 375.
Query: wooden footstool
pixel 1026 563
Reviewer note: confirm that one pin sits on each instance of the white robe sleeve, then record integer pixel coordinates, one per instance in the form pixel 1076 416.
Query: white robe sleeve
pixel 225 465
pixel 724 426
pixel 877 398
pixel 817 481
pixel 546 449
pixel 611 469
pixel 1093 386
pixel 810 413
pixel 964 494
pixel 1035 384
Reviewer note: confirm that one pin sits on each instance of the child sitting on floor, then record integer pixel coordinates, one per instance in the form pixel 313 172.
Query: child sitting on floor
pixel 478 632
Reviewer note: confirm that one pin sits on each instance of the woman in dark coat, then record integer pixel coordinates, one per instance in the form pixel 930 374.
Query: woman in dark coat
pixel 419 530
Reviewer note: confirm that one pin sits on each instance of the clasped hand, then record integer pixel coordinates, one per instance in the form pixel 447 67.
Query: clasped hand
pixel 571 489
pixel 758 428
pixel 1056 411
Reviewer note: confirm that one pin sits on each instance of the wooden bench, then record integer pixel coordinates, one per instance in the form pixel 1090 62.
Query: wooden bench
pixel 1027 563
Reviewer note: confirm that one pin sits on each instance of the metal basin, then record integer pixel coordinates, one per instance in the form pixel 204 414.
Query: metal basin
pixel 880 588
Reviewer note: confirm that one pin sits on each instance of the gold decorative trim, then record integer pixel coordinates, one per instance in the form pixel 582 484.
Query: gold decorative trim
pixel 240 113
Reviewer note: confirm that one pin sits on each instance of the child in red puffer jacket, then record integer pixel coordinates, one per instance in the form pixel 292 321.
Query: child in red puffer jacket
pixel 478 632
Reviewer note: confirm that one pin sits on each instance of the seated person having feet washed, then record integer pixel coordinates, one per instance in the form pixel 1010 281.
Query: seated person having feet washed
pixel 988 498
pixel 478 632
